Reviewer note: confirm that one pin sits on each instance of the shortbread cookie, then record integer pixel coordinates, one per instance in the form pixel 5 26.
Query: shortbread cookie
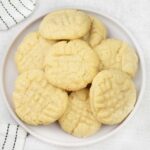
pixel 31 52
pixel 97 32
pixel 36 101
pixel 71 65
pixel 65 24
pixel 112 96
pixel 115 54
pixel 78 119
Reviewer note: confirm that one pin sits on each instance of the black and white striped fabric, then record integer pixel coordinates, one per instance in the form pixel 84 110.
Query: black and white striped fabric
pixel 12 137
pixel 14 11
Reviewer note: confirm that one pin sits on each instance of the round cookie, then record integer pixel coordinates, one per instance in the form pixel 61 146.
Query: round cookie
pixel 71 65
pixel 115 54
pixel 31 52
pixel 112 96
pixel 78 119
pixel 65 24
pixel 97 32
pixel 36 101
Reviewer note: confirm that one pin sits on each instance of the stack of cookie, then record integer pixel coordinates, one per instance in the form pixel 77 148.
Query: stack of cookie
pixel 71 72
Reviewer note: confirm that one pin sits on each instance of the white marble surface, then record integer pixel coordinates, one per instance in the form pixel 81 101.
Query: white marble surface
pixel 134 14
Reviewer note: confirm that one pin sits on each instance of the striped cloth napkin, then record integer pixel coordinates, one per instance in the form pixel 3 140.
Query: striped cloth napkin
pixel 12 137
pixel 14 11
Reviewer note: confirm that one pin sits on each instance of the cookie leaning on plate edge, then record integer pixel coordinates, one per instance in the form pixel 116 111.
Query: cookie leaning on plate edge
pixel 78 119
pixel 112 96
pixel 36 101
pixel 72 66
pixel 31 52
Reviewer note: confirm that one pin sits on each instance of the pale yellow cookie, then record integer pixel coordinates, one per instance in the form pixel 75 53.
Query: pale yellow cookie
pixel 65 24
pixel 71 65
pixel 36 101
pixel 78 119
pixel 31 52
pixel 97 32
pixel 116 54
pixel 112 96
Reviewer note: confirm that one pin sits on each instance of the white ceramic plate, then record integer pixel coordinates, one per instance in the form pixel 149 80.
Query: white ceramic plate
pixel 52 133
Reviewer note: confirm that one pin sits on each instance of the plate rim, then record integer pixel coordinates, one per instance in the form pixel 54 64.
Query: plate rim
pixel 92 141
